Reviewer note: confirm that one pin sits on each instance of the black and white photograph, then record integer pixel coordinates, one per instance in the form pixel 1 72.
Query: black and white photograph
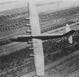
pixel 39 38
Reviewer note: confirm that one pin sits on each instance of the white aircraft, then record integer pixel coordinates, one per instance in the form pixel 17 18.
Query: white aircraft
pixel 37 38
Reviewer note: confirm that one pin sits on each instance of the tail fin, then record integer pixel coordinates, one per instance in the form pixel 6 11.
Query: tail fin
pixel 70 39
pixel 67 28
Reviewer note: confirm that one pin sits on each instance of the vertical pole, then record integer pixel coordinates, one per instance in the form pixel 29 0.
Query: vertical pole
pixel 37 44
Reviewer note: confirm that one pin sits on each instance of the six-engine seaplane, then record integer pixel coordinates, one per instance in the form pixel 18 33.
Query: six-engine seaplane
pixel 37 38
